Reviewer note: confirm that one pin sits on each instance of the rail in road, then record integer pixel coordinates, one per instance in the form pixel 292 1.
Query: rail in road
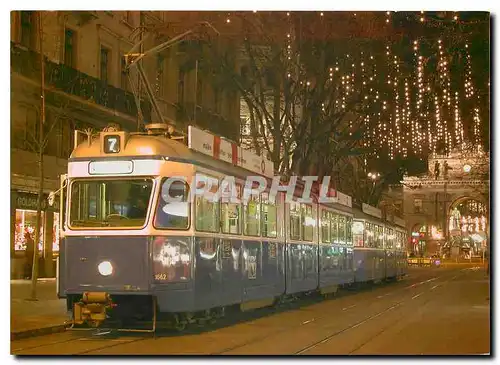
pixel 425 313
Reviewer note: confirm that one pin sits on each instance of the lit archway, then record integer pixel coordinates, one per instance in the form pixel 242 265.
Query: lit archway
pixel 418 239
pixel 467 226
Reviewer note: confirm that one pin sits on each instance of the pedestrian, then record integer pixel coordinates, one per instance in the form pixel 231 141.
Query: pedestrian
pixel 30 252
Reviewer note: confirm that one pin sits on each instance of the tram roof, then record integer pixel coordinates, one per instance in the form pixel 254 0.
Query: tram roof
pixel 143 146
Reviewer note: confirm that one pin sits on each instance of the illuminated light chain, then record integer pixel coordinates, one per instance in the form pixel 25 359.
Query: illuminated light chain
pixel 469 87
pixel 399 125
pixel 419 117
pixel 411 127
pixel 459 128
pixel 387 17
pixel 392 132
pixel 422 18
pixel 477 124
pixel 439 127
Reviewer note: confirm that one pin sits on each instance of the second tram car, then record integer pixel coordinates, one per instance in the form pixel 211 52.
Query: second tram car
pixel 128 253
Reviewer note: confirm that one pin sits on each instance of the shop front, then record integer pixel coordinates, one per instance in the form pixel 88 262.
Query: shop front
pixel 23 242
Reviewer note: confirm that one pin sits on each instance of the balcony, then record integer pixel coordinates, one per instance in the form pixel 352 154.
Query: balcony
pixel 207 119
pixel 76 83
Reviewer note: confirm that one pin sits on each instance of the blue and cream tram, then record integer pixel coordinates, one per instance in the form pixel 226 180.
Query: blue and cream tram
pixel 129 252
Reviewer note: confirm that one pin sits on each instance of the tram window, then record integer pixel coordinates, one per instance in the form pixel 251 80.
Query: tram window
pixel 231 214
pixel 109 203
pixel 348 229
pixel 325 226
pixel 334 228
pixel 294 221
pixel 389 239
pixel 341 221
pixel 358 229
pixel 172 211
pixel 269 220
pixel 307 223
pixel 379 235
pixel 251 209
pixel 369 235
pixel 207 207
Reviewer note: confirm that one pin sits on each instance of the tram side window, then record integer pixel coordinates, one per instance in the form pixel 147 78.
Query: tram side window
pixel 369 235
pixel 172 211
pixel 348 229
pixel 207 207
pixel 268 216
pixel 379 231
pixel 389 238
pixel 341 220
pixel 231 214
pixel 251 209
pixel 358 230
pixel 325 226
pixel 295 221
pixel 307 222
pixel 334 228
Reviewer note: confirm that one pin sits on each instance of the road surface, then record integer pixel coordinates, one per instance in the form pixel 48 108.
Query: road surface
pixel 432 311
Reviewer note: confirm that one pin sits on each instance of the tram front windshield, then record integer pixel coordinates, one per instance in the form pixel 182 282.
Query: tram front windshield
pixel 109 203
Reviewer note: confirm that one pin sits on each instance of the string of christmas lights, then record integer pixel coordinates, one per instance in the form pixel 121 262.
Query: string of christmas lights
pixel 421 115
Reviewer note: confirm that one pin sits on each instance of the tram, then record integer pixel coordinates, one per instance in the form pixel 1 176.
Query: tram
pixel 130 254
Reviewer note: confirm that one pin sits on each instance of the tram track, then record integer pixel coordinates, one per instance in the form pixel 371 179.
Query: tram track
pixel 399 304
pixel 118 339
pixel 348 306
pixel 317 320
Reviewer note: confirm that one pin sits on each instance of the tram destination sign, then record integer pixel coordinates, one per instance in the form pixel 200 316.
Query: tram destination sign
pixel 220 149
pixel 110 167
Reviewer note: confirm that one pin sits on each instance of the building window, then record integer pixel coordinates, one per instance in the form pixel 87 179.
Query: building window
pixel 27 29
pixel 417 205
pixel 104 64
pixel 69 48
pixel 25 231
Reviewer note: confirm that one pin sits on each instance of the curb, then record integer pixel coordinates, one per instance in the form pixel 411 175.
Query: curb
pixel 38 332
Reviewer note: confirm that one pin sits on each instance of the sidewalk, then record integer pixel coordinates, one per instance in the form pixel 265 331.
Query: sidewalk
pixel 29 318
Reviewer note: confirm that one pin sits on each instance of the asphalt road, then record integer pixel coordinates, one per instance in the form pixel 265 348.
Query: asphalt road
pixel 431 312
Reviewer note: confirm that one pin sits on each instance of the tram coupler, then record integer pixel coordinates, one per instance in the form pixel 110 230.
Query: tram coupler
pixel 92 309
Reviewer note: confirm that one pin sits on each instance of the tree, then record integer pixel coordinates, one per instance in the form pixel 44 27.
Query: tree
pixel 306 108
pixel 37 141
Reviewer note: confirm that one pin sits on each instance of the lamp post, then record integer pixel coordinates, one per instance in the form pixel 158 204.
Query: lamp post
pixel 374 176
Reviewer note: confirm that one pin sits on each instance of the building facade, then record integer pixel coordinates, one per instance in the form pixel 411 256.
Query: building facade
pixel 447 209
pixel 88 87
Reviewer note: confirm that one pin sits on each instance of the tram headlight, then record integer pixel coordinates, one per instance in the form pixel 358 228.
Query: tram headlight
pixel 105 268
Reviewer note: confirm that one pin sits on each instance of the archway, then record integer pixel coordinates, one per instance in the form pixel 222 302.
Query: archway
pixel 468 227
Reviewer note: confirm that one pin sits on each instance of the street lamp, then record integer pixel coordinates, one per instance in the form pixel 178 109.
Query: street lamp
pixel 374 176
